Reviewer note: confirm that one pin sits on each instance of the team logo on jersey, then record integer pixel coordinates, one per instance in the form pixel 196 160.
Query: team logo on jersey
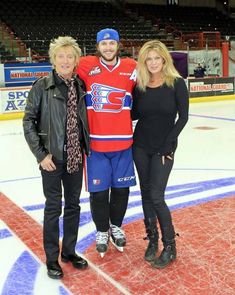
pixel 107 99
pixel 94 71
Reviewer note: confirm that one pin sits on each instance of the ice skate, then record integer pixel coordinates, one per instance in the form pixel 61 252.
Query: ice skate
pixel 102 240
pixel 117 237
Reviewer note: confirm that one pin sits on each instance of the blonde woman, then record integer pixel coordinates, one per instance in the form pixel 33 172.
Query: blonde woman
pixel 161 107
pixel 56 130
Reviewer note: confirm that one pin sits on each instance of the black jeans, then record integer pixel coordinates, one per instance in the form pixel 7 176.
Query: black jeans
pixel 52 188
pixel 153 177
pixel 109 207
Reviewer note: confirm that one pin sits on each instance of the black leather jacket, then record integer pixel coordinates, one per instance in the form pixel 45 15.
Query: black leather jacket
pixel 44 121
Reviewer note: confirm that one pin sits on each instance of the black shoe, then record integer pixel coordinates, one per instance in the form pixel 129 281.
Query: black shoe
pixel 166 257
pixel 151 251
pixel 77 261
pixel 54 271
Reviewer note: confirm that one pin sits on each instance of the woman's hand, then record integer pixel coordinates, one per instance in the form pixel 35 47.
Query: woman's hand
pixel 170 157
pixel 47 163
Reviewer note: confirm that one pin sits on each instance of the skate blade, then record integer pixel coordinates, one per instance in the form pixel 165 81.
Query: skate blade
pixel 120 249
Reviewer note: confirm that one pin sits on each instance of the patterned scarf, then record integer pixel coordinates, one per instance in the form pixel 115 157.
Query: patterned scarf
pixel 74 153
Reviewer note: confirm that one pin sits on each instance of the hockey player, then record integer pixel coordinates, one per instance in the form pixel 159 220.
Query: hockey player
pixel 109 82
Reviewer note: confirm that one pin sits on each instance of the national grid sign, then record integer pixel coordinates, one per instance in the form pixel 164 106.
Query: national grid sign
pixel 25 74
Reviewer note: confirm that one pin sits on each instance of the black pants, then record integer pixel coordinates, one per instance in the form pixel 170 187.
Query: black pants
pixel 109 207
pixel 153 177
pixel 52 188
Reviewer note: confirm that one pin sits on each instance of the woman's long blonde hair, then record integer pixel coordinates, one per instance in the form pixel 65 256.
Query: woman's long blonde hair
pixel 169 72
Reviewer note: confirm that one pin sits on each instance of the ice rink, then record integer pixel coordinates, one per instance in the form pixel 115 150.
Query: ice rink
pixel 200 193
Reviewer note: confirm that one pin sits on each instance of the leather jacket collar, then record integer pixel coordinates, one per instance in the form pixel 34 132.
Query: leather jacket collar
pixel 50 81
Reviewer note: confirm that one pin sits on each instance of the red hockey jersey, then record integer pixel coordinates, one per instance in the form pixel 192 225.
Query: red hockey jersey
pixel 108 101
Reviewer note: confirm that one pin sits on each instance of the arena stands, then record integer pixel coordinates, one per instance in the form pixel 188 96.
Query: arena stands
pixel 5 54
pixel 33 23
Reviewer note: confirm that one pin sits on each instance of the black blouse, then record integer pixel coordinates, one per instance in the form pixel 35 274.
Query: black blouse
pixel 162 113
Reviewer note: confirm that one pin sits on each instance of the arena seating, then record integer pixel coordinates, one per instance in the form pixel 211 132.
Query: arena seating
pixel 186 19
pixel 36 22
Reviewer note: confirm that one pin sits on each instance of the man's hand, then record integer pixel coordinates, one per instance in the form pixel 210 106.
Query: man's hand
pixel 47 163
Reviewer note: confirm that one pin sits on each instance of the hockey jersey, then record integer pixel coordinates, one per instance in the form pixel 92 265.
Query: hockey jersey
pixel 108 101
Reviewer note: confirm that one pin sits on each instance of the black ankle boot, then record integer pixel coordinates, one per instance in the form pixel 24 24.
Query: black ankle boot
pixel 152 236
pixel 168 253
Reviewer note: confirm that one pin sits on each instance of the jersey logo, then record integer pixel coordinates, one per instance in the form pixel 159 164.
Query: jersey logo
pixel 96 181
pixel 107 99
pixel 94 71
